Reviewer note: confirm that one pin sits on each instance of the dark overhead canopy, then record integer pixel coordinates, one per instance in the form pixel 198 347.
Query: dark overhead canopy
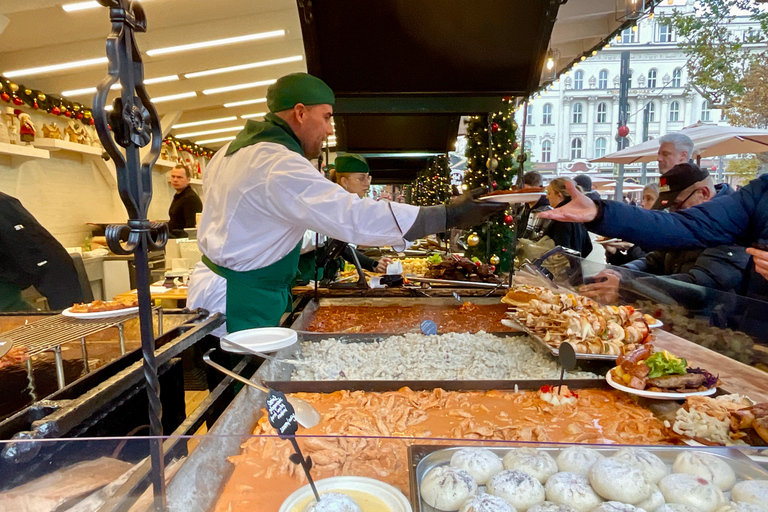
pixel 372 133
pixel 397 169
pixel 455 50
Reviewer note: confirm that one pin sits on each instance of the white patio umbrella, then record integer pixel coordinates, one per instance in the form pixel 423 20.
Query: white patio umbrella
pixel 708 139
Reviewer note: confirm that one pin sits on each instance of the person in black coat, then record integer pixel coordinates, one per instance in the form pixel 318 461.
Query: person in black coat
pixel 566 234
pixel 186 204
pixel 31 256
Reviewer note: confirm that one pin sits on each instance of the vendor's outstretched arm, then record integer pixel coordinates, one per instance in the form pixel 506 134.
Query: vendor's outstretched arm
pixel 724 220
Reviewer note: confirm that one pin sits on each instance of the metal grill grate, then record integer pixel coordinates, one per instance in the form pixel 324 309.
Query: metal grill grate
pixel 56 330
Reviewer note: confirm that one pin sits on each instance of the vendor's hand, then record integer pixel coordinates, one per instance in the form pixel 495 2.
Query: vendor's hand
pixel 605 289
pixel 381 266
pixel 466 211
pixel 579 209
pixel 761 261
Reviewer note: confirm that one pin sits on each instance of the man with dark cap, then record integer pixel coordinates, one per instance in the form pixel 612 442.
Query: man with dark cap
pixel 262 193
pixel 585 182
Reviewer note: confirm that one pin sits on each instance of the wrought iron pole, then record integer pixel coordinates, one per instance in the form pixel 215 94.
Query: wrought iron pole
pixel 132 124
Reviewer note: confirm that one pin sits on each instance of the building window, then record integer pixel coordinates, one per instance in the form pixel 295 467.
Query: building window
pixel 529 119
pixel 575 149
pixel 652 112
pixel 677 76
pixel 628 36
pixel 602 80
pixel 578 113
pixel 546 151
pixel 666 35
pixel 674 111
pixel 600 145
pixel 706 114
pixel 652 79
pixel 602 112
pixel 546 114
pixel 578 80
pixel 631 73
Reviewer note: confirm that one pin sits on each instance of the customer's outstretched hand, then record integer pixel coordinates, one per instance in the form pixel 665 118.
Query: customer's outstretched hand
pixel 579 209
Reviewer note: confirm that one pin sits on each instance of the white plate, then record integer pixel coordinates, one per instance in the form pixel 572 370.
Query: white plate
pixel 527 197
pixel 656 394
pixel 100 314
pixel 5 347
pixel 262 339
pixel 391 497
pixel 656 324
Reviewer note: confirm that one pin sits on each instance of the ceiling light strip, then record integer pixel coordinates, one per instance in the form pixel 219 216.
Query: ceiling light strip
pixel 207 121
pixel 171 97
pixel 115 87
pixel 242 67
pixel 161 79
pixel 215 42
pixel 214 141
pixel 207 132
pixel 250 116
pixel 80 6
pixel 245 102
pixel 238 87
pixel 55 67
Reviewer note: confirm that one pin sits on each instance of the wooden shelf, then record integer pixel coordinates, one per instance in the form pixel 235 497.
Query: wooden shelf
pixel 19 150
pixel 58 144
pixel 165 163
pixel 195 181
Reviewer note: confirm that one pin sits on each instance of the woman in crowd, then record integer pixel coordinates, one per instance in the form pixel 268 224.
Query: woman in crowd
pixel 618 254
pixel 572 236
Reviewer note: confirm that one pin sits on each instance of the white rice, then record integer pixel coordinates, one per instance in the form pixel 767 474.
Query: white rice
pixel 452 356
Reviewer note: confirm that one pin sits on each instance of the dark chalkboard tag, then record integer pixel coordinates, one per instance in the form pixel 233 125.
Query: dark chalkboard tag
pixel 429 327
pixel 281 414
pixel 567 361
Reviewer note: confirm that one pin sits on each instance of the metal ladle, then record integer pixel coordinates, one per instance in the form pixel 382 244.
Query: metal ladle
pixel 306 415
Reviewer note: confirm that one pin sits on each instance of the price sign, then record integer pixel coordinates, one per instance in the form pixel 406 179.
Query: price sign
pixel 567 357
pixel 281 414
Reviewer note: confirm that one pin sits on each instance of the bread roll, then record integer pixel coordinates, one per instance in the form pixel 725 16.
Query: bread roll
pixel 751 491
pixel 486 503
pixel 519 489
pixel 447 488
pixel 572 489
pixel 548 506
pixel 691 490
pixel 577 459
pixel 652 467
pixel 616 506
pixel 618 480
pixel 536 463
pixel 707 466
pixel 741 506
pixel 481 463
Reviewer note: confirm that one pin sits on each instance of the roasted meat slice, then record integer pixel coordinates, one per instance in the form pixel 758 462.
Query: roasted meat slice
pixel 689 380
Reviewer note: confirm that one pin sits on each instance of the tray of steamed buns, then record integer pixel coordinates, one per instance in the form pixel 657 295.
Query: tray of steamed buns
pixel 577 478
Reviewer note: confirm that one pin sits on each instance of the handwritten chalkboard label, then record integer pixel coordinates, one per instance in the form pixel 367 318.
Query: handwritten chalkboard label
pixel 429 327
pixel 281 414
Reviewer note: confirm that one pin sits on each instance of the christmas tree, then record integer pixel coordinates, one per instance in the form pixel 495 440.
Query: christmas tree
pixel 432 185
pixel 491 163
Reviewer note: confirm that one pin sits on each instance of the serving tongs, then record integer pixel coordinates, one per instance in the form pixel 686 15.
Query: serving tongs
pixel 306 415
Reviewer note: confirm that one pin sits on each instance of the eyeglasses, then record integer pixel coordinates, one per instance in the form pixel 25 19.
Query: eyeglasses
pixel 677 205
pixel 362 177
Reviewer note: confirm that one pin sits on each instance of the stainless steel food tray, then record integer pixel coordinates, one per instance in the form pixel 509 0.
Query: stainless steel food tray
pixel 422 458
pixel 456 284
pixel 556 352
pixel 306 316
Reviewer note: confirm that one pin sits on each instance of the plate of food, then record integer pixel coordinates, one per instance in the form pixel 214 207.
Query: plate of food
pixel 523 195
pixel 102 309
pixel 660 375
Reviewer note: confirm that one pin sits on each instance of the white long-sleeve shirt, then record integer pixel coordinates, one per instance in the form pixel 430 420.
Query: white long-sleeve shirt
pixel 259 202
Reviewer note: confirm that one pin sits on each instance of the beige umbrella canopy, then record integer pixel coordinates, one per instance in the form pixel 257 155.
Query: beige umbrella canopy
pixel 708 139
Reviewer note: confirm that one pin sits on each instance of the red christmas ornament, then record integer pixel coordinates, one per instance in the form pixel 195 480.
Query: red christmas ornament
pixel 503 250
pixel 68 113
pixel 494 184
pixel 508 219
pixel 91 122
pixel 55 111
pixel 623 131
pixel 495 127
pixel 17 101
pixel 79 115
pixel 35 105
pixel 478 263
pixel 5 96
pixel 515 145
pixel 493 268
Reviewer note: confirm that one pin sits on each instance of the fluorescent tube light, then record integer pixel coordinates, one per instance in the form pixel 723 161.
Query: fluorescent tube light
pixel 207 121
pixel 215 42
pixel 115 87
pixel 214 141
pixel 207 132
pixel 241 67
pixel 172 97
pixel 228 88
pixel 161 79
pixel 257 114
pixel 80 6
pixel 55 67
pixel 245 102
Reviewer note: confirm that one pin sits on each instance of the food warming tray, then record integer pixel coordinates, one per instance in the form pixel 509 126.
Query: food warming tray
pixel 556 352
pixel 422 458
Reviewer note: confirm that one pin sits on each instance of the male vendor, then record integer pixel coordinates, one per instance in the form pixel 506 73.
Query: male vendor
pixel 262 193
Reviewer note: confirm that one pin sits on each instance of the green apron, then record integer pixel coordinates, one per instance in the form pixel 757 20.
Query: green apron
pixel 10 298
pixel 306 268
pixel 258 298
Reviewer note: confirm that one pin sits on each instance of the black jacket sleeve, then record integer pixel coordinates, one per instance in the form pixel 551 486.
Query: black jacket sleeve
pixel 367 263
pixel 721 268
pixel 192 207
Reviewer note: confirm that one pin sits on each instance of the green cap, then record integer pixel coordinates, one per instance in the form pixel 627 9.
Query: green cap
pixel 348 163
pixel 298 88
